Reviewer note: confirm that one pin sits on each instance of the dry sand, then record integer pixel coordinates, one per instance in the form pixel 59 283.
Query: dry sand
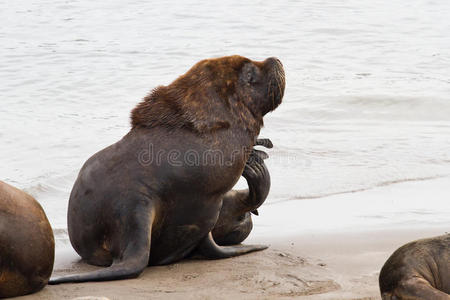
pixel 270 274
pixel 339 263
pixel 315 266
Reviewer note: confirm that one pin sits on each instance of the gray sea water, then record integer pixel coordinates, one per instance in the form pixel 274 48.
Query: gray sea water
pixel 367 101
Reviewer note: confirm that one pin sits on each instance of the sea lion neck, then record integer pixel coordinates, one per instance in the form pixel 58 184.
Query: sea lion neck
pixel 200 110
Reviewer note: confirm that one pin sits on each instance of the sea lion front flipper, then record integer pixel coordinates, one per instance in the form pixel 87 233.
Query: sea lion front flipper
pixel 209 249
pixel 258 179
pixel 264 142
pixel 235 222
pixel 135 256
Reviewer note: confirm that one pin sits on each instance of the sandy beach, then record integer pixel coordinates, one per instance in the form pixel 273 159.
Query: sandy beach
pixel 335 261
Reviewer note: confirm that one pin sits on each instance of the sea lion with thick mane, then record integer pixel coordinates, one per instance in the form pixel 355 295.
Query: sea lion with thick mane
pixel 27 246
pixel 419 270
pixel 154 197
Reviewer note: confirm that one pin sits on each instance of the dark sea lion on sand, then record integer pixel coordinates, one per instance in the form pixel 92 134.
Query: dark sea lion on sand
pixel 27 246
pixel 155 196
pixel 418 270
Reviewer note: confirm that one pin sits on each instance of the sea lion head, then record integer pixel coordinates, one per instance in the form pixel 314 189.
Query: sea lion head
pixel 214 94
pixel 259 85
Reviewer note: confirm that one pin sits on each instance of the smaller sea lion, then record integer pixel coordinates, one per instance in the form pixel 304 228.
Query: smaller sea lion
pixel 235 221
pixel 27 246
pixel 418 270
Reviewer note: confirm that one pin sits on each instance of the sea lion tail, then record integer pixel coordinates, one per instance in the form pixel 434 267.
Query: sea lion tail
pixel 135 259
pixel 122 270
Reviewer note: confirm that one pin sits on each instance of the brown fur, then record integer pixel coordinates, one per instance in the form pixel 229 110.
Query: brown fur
pixel 204 100
pixel 27 246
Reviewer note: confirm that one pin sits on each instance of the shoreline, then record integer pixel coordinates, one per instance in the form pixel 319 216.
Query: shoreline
pixel 327 248
pixel 353 259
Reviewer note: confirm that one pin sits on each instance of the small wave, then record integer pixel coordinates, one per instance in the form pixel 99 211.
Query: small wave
pixel 50 185
pixel 40 188
pixel 370 107
pixel 59 232
pixel 61 237
pixel 381 184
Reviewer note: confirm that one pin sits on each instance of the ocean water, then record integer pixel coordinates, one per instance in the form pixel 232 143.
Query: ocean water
pixel 367 101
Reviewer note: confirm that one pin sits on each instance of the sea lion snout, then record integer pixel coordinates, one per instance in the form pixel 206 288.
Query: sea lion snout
pixel 277 81
pixel 274 61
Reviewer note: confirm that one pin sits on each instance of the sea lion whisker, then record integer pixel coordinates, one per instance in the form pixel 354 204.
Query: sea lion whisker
pixel 279 88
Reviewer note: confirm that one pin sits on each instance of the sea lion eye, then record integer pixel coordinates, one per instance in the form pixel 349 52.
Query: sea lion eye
pixel 249 76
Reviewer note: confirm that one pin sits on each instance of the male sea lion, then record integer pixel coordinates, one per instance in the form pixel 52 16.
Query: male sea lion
pixel 418 270
pixel 27 246
pixel 155 196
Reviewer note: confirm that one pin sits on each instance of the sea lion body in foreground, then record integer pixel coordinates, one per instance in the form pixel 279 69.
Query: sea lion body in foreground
pixel 155 196
pixel 27 246
pixel 418 270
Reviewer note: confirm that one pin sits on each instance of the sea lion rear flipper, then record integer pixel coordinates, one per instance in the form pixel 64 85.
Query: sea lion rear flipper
pixel 134 259
pixel 209 249
pixel 418 288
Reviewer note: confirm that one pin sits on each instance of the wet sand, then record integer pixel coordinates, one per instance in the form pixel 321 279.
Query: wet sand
pixel 337 261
